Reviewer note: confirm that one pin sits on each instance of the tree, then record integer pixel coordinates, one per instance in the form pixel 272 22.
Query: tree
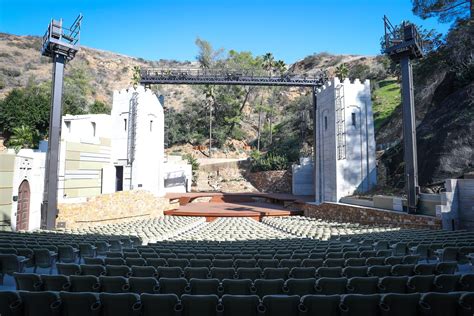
pixel 268 62
pixel 342 71
pixel 99 107
pixel 207 56
pixel 280 67
pixel 23 137
pixel 135 81
pixel 27 107
pixel 444 10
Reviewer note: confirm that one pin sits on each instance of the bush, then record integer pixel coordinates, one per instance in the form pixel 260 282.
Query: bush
pixel 270 162
pixel 194 165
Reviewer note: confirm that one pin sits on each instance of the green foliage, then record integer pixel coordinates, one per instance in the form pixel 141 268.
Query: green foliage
pixel 270 161
pixel 135 81
pixel 23 137
pixel 444 10
pixel 207 56
pixel 194 165
pixel 27 107
pixel 342 71
pixel 76 89
pixel 385 100
pixel 99 107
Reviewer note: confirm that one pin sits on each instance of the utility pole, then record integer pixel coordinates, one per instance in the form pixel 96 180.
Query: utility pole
pixel 210 130
pixel 403 45
pixel 61 44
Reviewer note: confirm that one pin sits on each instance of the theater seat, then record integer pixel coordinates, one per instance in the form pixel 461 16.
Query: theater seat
pixel 278 305
pixel 28 281
pixel 10 304
pixel 116 304
pixel 84 283
pixel 41 303
pixel 204 287
pixel 141 285
pixel 356 305
pixel 331 286
pixel 269 287
pixel 393 284
pixel 55 282
pixel 177 286
pixel 198 305
pixel 300 287
pixel 324 305
pixel 439 304
pixel 361 285
pixel 159 304
pixel 240 305
pixel 237 286
pixel 80 304
pixel 394 304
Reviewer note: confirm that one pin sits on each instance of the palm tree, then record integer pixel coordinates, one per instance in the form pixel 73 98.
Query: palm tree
pixel 268 62
pixel 23 137
pixel 342 71
pixel 210 97
pixel 280 66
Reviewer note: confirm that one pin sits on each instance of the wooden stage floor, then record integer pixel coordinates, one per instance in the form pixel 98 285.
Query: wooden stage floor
pixel 252 205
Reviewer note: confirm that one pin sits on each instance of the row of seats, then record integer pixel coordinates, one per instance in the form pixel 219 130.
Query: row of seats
pixel 273 262
pixel 257 272
pixel 327 286
pixel 108 304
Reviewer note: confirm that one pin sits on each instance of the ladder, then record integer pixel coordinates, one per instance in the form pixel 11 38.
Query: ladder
pixel 340 123
pixel 132 126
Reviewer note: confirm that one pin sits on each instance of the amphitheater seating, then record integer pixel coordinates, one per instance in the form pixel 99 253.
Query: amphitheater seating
pixel 237 266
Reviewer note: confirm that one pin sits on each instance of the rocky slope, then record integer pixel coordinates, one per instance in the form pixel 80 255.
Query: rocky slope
pixel 21 61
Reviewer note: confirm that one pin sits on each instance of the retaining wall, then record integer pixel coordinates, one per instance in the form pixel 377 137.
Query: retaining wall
pixel 111 208
pixel 369 216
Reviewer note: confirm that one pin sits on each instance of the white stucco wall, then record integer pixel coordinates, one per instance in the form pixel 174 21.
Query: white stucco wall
pixel 29 166
pixel 147 168
pixel 339 175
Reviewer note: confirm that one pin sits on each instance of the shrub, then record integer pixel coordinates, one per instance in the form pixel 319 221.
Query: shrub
pixel 269 162
pixel 194 165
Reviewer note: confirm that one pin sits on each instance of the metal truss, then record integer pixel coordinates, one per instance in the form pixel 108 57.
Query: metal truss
pixel 229 77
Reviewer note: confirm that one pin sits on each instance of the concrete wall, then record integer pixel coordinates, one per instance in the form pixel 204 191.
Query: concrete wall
pixel 7 169
pixel 302 182
pixel 177 175
pixel 345 164
pixel 466 203
pixel 457 204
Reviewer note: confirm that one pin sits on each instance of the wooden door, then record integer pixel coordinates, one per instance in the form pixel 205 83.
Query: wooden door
pixel 23 208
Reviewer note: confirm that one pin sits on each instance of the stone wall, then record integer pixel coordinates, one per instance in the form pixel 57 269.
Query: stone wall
pixel 111 208
pixel 271 181
pixel 369 216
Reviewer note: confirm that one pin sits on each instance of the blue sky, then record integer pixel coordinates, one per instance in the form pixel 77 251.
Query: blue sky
pixel 167 29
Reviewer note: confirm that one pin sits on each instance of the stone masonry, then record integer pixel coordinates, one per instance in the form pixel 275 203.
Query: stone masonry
pixel 367 216
pixel 111 208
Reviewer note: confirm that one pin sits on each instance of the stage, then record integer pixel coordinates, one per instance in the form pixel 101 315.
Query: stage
pixel 252 205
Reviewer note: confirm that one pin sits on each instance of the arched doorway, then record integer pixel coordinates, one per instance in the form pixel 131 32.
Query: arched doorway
pixel 23 207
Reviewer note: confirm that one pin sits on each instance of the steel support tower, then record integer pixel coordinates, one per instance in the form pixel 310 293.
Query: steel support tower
pixel 61 44
pixel 402 45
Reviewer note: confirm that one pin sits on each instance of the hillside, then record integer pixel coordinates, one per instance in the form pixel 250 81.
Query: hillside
pixel 21 61
pixel 444 107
